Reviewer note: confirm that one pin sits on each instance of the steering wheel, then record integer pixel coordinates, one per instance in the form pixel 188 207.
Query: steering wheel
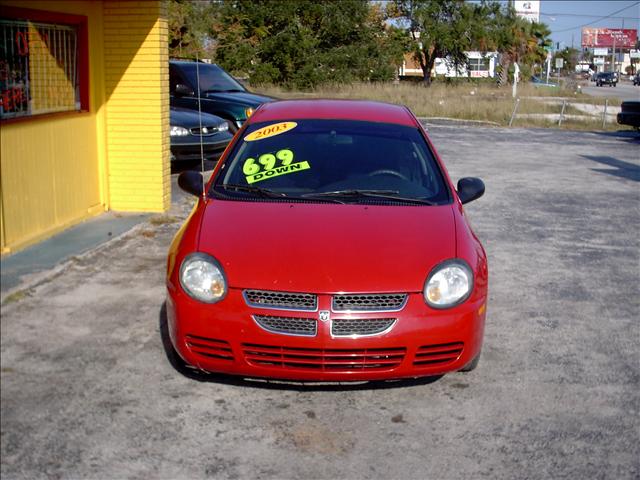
pixel 385 171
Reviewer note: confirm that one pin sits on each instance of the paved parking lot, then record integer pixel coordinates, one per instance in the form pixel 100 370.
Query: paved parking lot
pixel 87 391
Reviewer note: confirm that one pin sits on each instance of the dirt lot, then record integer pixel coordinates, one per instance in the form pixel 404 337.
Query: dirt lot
pixel 87 391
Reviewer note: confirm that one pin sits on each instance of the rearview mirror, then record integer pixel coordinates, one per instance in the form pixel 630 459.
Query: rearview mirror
pixel 469 189
pixel 183 91
pixel 191 182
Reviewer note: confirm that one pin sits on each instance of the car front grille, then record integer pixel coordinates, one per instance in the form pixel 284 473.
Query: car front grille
pixel 323 360
pixel 343 327
pixel 207 130
pixel 281 300
pixel 429 355
pixel 209 347
pixel 369 302
pixel 288 325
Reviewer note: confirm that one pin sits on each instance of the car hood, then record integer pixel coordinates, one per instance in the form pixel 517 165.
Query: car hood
pixel 327 248
pixel 244 98
pixel 190 118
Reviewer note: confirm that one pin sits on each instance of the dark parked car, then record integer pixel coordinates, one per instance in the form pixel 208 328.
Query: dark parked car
pixel 606 78
pixel 188 128
pixel 630 114
pixel 220 94
pixel 636 79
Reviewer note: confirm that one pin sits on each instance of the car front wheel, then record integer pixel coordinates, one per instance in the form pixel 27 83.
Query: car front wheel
pixel 471 365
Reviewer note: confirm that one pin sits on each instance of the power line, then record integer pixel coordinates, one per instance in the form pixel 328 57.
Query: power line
pixel 581 15
pixel 596 21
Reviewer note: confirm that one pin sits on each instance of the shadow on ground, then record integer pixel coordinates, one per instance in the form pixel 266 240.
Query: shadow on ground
pixel 620 168
pixel 179 365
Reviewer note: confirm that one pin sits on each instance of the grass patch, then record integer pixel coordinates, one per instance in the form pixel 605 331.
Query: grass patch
pixel 466 101
pixel 162 220
pixel 16 297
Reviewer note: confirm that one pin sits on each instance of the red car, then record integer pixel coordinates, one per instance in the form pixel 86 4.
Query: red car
pixel 328 245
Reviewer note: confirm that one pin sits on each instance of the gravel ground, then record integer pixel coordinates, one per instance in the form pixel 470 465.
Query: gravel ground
pixel 88 392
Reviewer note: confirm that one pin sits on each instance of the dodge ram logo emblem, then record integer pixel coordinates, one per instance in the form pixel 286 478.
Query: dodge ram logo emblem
pixel 324 315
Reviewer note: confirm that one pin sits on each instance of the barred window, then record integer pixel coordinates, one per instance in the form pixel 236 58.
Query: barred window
pixel 39 68
pixel 478 64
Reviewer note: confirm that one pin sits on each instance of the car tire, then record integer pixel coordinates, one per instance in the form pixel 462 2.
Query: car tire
pixel 471 365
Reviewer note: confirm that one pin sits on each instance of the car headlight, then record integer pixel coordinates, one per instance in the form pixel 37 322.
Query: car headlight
pixel 178 131
pixel 449 284
pixel 201 276
pixel 248 111
pixel 223 127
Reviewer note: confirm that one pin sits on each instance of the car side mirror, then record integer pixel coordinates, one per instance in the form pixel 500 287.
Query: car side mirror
pixel 183 91
pixel 469 189
pixel 191 182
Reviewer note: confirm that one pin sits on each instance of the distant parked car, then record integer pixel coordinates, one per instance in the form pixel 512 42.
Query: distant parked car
pixel 219 93
pixel 636 79
pixel 539 82
pixel 188 129
pixel 630 114
pixel 606 78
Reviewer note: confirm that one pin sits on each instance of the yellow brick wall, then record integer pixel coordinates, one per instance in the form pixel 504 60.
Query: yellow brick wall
pixel 137 105
pixel 51 167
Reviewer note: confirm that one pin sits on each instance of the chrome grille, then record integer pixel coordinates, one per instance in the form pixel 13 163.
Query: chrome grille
pixel 369 302
pixel 428 355
pixel 206 130
pixel 281 300
pixel 342 327
pixel 317 359
pixel 287 325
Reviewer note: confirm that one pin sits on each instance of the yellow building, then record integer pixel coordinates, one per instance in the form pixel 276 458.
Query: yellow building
pixel 84 113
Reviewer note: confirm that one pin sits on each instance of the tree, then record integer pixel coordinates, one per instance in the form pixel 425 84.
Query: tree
pixel 569 57
pixel 302 43
pixel 517 40
pixel 441 29
pixel 188 25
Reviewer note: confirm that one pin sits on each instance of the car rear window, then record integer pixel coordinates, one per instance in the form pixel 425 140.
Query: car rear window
pixel 297 159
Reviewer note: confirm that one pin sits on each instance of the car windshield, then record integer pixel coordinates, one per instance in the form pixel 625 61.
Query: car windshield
pixel 212 78
pixel 335 161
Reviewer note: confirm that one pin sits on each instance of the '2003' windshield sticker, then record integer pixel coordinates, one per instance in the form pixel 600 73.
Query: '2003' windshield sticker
pixel 270 131
pixel 265 167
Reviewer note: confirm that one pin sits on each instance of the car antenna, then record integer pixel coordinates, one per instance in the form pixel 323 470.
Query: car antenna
pixel 200 120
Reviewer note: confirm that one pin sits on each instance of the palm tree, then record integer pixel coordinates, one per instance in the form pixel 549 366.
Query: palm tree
pixel 518 40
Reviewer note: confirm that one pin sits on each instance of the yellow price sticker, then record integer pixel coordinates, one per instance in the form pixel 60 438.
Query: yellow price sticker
pixel 270 131
pixel 265 166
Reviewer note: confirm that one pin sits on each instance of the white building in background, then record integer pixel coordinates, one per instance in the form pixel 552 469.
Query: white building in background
pixel 528 9
pixel 481 65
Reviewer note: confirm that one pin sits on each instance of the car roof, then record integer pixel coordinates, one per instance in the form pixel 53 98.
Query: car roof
pixel 363 110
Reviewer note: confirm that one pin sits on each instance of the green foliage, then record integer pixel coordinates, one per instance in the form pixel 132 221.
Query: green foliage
pixel 302 43
pixel 570 57
pixel 188 27
pixel 441 29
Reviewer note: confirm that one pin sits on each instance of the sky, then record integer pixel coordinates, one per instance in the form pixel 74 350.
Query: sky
pixel 565 18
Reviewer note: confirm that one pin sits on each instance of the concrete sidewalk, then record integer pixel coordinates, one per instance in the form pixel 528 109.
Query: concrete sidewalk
pixel 33 265
pixel 27 267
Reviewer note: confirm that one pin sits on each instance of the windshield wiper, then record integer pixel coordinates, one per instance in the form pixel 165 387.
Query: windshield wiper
pixel 264 192
pixel 386 194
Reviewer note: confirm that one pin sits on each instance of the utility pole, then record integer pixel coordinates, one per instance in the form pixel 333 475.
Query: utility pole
pixel 613 55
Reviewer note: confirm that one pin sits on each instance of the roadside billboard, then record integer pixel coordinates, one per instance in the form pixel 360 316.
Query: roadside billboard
pixel 528 9
pixel 608 37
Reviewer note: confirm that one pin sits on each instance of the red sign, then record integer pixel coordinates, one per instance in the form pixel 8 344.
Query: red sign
pixel 609 37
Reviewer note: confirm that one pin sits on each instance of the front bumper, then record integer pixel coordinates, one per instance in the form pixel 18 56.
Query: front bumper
pixel 629 118
pixel 225 338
